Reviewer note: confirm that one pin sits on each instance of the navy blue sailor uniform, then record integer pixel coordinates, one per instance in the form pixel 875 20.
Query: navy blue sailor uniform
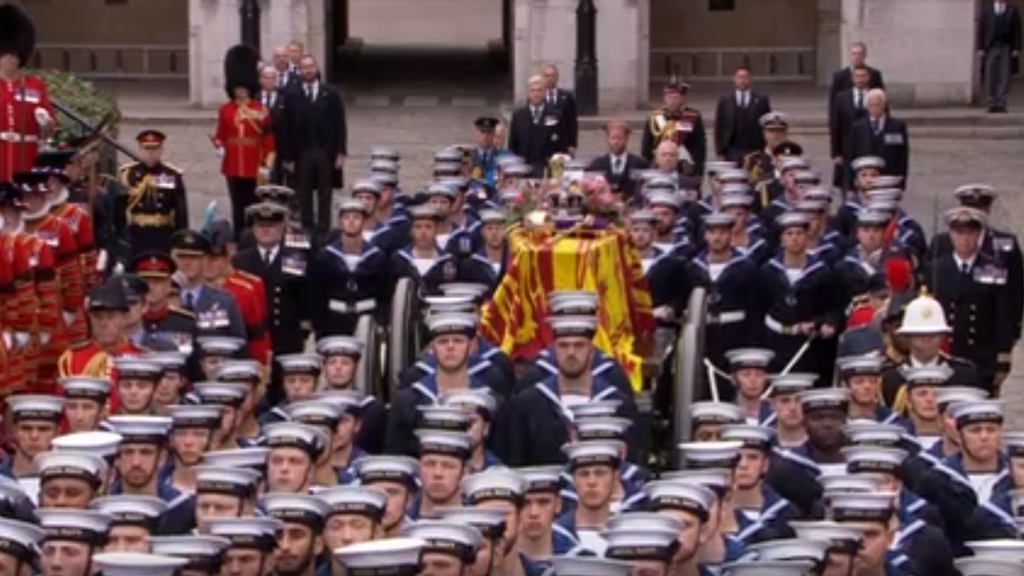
pixel 489 363
pixel 478 269
pixel 180 516
pixel 427 273
pixel 668 280
pixel 343 287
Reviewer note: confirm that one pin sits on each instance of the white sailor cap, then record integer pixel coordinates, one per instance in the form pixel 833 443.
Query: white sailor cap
pixel 366 185
pixel 857 483
pixel 596 409
pixel 751 435
pixel 447 537
pixel 315 413
pixel 873 459
pixel 219 345
pixel 644 521
pixel 137 368
pixel 884 195
pixel 443 442
pixel 792 383
pixel 170 361
pixel 100 443
pixel 873 433
pixel 872 219
pixel 602 428
pixel 642 216
pixel 350 401
pixel 490 216
pixel 989 566
pixel 387 468
pixel 135 563
pixel 965 217
pixel 836 534
pixel 385 153
pixel 221 393
pixel 709 412
pixel 585 326
pixel 479 400
pixel 437 417
pixel 573 303
pixel 340 346
pixel 759 567
pixel 473 290
pixel 97 389
pixel 141 429
pixel 391 556
pixel 807 177
pixel 861 506
pixel 451 305
pixel 593 453
pixel 202 552
pixel 295 508
pixel 864 365
pixel 886 181
pixel 354 205
pixel 667 199
pixel 309 439
pixel 714 167
pixel 71 524
pixel 35 407
pixel 792 219
pixel 722 454
pixel 953 395
pixel 259 532
pixel 493 484
pixel 542 478
pixel 489 521
pixel 589 566
pixel 245 371
pixel 794 163
pixel 818 195
pixel 718 480
pixel 790 549
pixel 825 399
pixel 930 376
pixel 977 411
pixel 220 479
pixel 774 120
pixel 740 358
pixel 309 364
pixel 1013 443
pixel 998 548
pixel 811 207
pixel 71 464
pixel 442 189
pixel 734 181
pixel 718 220
pixel 974 192
pixel 384 172
pixel 516 169
pixel 20 540
pixel 195 416
pixel 131 509
pixel 640 543
pixel 449 154
pixel 354 500
pixel 678 495
pixel 452 323
pixel 886 206
pixel 736 201
pixel 249 457
pixel 866 162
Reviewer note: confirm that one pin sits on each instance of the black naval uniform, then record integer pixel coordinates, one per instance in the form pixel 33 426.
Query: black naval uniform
pixel 154 207
pixel 339 294
pixel 963 374
pixel 444 269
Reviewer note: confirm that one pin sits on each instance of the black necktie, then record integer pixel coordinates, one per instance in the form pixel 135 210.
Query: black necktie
pixel 860 100
pixel 190 303
pixel 965 269
pixel 309 92
pixel 267 257
pixel 874 126
pixel 617 165
pixel 536 115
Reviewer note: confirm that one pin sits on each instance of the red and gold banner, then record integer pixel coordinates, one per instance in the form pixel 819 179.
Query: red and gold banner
pixel 543 262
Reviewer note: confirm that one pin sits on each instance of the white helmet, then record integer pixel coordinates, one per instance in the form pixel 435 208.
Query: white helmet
pixel 923 315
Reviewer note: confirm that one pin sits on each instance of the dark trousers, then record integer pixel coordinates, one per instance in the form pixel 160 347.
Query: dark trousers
pixel 313 184
pixel 242 192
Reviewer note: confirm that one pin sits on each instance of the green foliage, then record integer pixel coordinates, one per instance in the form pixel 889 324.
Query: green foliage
pixel 81 96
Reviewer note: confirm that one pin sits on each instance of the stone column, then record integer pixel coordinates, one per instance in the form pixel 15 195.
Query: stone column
pixel 924 48
pixel 276 24
pixel 213 29
pixel 830 54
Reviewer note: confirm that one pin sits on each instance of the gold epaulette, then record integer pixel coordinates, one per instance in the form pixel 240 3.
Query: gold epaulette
pixel 181 312
pixel 172 167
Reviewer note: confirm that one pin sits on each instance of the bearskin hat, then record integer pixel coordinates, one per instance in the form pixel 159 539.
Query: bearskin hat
pixel 17 33
pixel 241 69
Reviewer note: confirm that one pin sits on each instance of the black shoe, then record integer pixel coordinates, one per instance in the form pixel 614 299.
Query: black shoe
pixel 992 109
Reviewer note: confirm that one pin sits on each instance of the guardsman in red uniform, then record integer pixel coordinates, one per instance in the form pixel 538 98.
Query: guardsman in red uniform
pixel 246 288
pixel 108 310
pixel 39 318
pixel 55 234
pixel 75 216
pixel 244 139
pixel 26 115
pixel 15 282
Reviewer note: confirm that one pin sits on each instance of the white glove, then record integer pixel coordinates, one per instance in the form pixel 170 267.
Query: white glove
pixel 101 261
pixel 664 313
pixel 265 173
pixel 20 339
pixel 44 338
pixel 43 117
pixel 69 318
pixel 220 152
pixel 118 268
pixel 8 341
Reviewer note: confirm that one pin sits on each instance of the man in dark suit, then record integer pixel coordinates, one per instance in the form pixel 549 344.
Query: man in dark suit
pixel 849 107
pixel 565 102
pixel 315 143
pixel 879 134
pixel 286 74
pixel 738 119
pixel 272 99
pixel 999 43
pixel 618 164
pixel 537 131
pixel 842 80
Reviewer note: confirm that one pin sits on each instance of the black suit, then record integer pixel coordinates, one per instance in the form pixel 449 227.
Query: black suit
pixel 315 134
pixel 623 179
pixel 842 80
pixel 890 142
pixel 999 36
pixel 738 129
pixel 274 101
pixel 565 102
pixel 843 114
pixel 536 140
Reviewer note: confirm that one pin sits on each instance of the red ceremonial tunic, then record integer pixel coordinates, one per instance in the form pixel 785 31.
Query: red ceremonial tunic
pixel 89 360
pixel 244 132
pixel 20 133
